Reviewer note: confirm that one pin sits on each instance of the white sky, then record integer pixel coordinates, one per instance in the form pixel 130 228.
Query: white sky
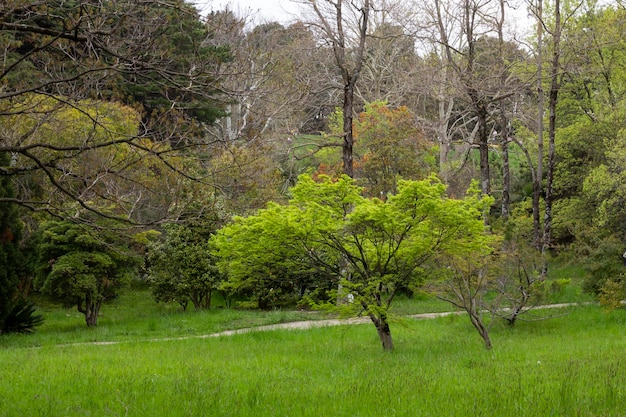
pixel 285 11
pixel 260 10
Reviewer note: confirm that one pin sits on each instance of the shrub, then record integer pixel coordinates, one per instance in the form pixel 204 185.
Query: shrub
pixel 21 317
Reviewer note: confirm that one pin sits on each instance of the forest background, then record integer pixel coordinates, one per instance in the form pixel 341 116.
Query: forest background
pixel 132 134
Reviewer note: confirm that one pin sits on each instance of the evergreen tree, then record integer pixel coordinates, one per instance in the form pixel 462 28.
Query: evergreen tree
pixel 84 266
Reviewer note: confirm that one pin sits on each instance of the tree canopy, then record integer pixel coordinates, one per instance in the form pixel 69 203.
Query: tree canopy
pixel 181 267
pixel 373 248
pixel 82 267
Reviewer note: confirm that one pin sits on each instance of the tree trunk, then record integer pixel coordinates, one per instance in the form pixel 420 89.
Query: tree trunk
pixel 540 104
pixel 91 318
pixel 482 329
pixel 202 299
pixel 90 310
pixel 483 144
pixel 504 130
pixel 553 98
pixel 506 171
pixel 384 332
pixel 348 137
pixel 536 213
pixel 444 141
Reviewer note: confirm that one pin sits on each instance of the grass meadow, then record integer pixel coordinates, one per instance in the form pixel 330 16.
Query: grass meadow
pixel 573 364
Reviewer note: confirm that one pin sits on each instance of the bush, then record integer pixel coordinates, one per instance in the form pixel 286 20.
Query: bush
pixel 557 287
pixel 612 293
pixel 21 317
pixel 604 263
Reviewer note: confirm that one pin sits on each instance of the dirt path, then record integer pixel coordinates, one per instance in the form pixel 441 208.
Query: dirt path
pixel 298 325
pixel 309 324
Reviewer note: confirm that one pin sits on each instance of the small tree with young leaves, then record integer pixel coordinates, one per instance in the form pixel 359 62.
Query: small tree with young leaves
pixel 389 145
pixel 372 247
pixel 465 281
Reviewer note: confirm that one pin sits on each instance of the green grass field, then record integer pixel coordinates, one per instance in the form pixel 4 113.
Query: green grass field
pixel 573 364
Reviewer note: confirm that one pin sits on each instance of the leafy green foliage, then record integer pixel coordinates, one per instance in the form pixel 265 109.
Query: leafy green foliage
pixel 590 174
pixel 261 259
pixel 21 317
pixel 370 247
pixel 604 264
pixel 9 250
pixel 95 96
pixel 389 145
pixel 181 266
pixel 84 267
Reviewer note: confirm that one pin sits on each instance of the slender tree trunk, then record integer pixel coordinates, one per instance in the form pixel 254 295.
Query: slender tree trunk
pixel 519 308
pixel 504 130
pixel 476 99
pixel 384 332
pixel 506 171
pixel 444 110
pixel 348 136
pixel 537 180
pixel 349 61
pixel 553 98
pixel 483 144
pixel 482 329
pixel 443 140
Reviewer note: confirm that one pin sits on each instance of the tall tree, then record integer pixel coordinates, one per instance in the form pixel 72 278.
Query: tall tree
pixel 461 54
pixel 474 62
pixel 537 177
pixel 555 77
pixel 344 26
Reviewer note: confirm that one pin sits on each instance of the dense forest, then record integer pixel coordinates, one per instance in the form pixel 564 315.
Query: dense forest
pixel 364 150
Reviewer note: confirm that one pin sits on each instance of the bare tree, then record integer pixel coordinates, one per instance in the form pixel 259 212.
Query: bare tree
pixel 476 88
pixel 470 17
pixel 343 25
pixel 465 283
pixel 392 66
pixel 538 172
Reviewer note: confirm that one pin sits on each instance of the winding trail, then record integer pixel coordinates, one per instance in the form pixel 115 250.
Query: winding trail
pixel 309 324
pixel 301 325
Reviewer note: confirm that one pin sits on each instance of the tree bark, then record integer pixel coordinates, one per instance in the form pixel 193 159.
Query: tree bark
pixel 506 170
pixel 472 306
pixel 483 146
pixel 482 329
pixel 504 130
pixel 553 99
pixel 540 110
pixel 384 332
pixel 348 135
pixel 90 310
